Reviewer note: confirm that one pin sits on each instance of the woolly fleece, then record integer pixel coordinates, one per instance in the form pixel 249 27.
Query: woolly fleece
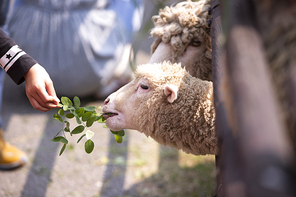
pixel 187 123
pixel 179 25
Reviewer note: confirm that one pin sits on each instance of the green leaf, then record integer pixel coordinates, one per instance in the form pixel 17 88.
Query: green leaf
pixel 76 101
pixel 79 111
pixel 114 132
pixel 86 116
pixel 82 114
pixel 56 139
pixel 118 138
pixel 77 117
pixel 59 139
pixel 81 138
pixel 70 115
pixel 62 150
pixel 78 120
pixel 65 107
pixel 89 108
pixel 61 112
pixel 105 126
pixel 64 140
pixel 67 127
pixel 66 103
pixel 89 146
pixel 71 108
pixel 121 133
pixel 90 121
pixel 67 124
pixel 97 117
pixel 57 117
pixel 101 119
pixel 78 129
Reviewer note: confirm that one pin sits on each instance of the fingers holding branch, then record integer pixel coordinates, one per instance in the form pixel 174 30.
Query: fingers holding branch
pixel 40 90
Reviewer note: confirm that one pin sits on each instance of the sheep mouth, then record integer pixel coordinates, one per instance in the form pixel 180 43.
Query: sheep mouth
pixel 109 115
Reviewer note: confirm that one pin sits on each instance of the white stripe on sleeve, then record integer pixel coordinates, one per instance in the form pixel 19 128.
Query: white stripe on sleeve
pixel 9 58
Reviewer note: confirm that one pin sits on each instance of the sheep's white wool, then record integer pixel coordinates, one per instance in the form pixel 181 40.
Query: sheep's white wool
pixel 180 24
pixel 186 123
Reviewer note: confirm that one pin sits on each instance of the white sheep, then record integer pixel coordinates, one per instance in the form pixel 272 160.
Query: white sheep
pixel 166 103
pixel 183 35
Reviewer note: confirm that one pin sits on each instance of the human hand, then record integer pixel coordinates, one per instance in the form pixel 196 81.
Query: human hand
pixel 40 90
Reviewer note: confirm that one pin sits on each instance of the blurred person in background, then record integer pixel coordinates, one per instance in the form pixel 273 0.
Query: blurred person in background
pixel 39 88
pixel 84 44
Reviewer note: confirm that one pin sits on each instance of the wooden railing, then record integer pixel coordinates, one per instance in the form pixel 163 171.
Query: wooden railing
pixel 257 148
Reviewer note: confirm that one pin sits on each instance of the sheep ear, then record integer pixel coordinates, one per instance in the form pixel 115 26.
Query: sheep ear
pixel 171 91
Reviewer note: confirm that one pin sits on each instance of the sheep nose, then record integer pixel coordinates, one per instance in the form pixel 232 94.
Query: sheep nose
pixel 106 101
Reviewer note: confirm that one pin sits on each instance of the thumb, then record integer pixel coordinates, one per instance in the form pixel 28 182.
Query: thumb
pixel 51 91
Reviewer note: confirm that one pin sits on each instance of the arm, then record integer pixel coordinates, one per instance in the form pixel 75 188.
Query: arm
pixel 14 61
pixel 20 66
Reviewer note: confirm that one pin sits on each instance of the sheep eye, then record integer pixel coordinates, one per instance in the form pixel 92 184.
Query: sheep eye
pixel 143 86
pixel 195 43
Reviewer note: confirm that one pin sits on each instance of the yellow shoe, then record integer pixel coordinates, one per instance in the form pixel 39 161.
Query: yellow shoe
pixel 10 156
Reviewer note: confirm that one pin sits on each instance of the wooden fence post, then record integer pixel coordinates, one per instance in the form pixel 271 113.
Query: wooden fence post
pixel 256 157
pixel 229 183
pixel 264 155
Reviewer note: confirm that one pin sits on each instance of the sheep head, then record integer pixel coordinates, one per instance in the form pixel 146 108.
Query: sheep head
pixel 166 103
pixel 130 101
pixel 183 35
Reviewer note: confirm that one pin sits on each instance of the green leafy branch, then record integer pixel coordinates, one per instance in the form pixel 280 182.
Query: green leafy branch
pixel 85 117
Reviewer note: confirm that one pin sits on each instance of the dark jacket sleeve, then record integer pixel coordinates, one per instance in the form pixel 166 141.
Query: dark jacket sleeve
pixel 14 61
